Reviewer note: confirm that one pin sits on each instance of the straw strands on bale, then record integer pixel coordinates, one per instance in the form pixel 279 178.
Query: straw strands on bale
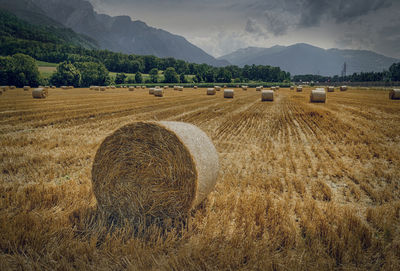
pixel 151 91
pixel 228 93
pixel 159 92
pixel 146 172
pixel 343 88
pixel 267 95
pixel 394 94
pixel 211 91
pixel 299 89
pixel 26 88
pixel 331 89
pixel 39 93
pixel 318 96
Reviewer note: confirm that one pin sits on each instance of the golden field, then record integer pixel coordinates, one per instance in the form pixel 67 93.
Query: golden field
pixel 301 186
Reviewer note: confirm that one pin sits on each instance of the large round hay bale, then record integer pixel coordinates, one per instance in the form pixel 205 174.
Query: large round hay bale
pixel 112 87
pixel 53 87
pixel 318 96
pixel 394 94
pixel 229 93
pixel 330 89
pixel 149 171
pixel 217 88
pixel 259 88
pixel 165 87
pixel 26 88
pixel 211 91
pixel 39 93
pixel 103 88
pixel 291 87
pixel 180 88
pixel 195 87
pixel 343 88
pixel 159 92
pixel 143 87
pixel 64 87
pixel 151 91
pixel 244 87
pixel 299 89
pixel 131 88
pixel 267 95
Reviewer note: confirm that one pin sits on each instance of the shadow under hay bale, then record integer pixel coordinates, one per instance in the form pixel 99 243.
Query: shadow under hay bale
pixel 149 173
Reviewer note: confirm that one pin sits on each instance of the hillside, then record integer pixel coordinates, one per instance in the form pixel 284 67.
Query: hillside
pixel 118 34
pixel 306 59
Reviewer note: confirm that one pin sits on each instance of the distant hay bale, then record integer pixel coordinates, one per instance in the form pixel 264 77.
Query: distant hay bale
pixel 26 88
pixel 165 87
pixel 2 88
pixel 176 87
pixel 228 93
pixel 70 87
pixel 159 92
pixel 138 87
pixel 273 88
pixel 180 88
pixel 53 87
pixel 64 87
pixel 143 87
pixel 258 88
pixel 151 91
pixel 112 87
pixel 291 87
pixel 13 87
pixel 318 96
pixel 299 89
pixel 244 87
pixel 97 88
pixel 195 87
pixel 39 93
pixel 211 91
pixel 394 94
pixel 330 89
pixel 103 88
pixel 131 88
pixel 277 87
pixel 267 95
pixel 217 88
pixel 343 88
pixel 146 172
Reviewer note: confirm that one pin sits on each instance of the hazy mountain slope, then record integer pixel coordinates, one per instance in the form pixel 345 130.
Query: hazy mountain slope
pixel 121 34
pixel 306 59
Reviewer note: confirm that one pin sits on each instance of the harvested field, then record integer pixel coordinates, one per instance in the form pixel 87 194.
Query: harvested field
pixel 301 186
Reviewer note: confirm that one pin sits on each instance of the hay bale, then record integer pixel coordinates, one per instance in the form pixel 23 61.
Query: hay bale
pixel 259 88
pixel 71 87
pixel 394 94
pixel 267 95
pixel 143 87
pixel 112 87
pixel 159 92
pixel 228 93
pixel 131 88
pixel 13 87
pixel 97 88
pixel 53 87
pixel 343 88
pixel 277 87
pixel 39 93
pixel 2 88
pixel 244 87
pixel 64 87
pixel 318 96
pixel 211 91
pixel 330 89
pixel 291 87
pixel 138 87
pixel 148 171
pixel 26 88
pixel 299 89
pixel 217 88
pixel 151 91
pixel 180 88
pixel 176 87
pixel 103 88
pixel 165 87
pixel 1 91
pixel 195 87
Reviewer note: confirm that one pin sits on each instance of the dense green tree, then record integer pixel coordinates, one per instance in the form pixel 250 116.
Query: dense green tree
pixel 138 78
pixel 120 78
pixel 92 73
pixel 66 74
pixel 154 75
pixel 171 76
pixel 182 78
pixel 395 72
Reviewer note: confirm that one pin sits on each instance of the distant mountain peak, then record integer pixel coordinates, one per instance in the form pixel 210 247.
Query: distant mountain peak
pixel 303 58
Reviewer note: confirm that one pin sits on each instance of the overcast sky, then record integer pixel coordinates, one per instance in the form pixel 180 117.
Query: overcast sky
pixel 223 26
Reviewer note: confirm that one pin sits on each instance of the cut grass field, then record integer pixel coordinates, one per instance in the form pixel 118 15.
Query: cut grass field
pixel 301 186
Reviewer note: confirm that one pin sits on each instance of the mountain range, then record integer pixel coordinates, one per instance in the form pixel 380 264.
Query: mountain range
pixel 118 34
pixel 303 58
